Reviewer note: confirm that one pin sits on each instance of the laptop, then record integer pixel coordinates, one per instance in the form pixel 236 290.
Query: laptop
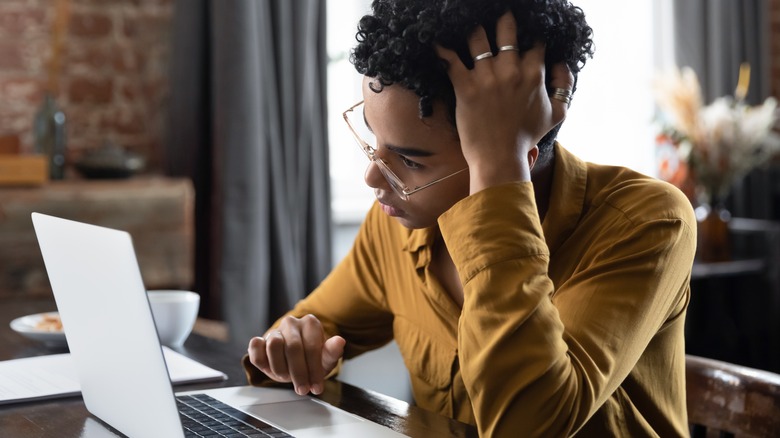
pixel 108 324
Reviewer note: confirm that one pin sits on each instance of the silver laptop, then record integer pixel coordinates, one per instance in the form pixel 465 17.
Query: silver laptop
pixel 108 324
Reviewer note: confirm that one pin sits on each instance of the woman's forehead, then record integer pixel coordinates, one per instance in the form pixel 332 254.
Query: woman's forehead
pixel 400 106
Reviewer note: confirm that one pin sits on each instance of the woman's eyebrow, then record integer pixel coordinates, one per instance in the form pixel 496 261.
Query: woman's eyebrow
pixel 400 150
pixel 407 151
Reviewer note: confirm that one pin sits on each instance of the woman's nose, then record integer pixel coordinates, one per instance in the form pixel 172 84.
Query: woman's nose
pixel 373 176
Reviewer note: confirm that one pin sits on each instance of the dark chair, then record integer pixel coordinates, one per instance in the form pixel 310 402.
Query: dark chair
pixel 728 400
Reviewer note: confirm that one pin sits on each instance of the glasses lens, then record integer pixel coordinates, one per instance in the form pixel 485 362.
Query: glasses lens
pixel 392 179
pixel 358 124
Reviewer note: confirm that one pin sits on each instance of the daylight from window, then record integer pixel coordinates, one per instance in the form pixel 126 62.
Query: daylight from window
pixel 609 122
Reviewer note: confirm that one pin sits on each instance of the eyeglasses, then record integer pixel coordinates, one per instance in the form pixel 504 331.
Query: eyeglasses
pixel 359 131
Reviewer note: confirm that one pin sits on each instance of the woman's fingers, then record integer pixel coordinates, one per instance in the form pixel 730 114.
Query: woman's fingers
pixel 297 352
pixel 313 336
pixel 503 106
pixel 479 47
pixel 277 359
pixel 257 354
pixel 332 352
pixel 456 70
pixel 296 360
pixel 506 34
pixel 560 91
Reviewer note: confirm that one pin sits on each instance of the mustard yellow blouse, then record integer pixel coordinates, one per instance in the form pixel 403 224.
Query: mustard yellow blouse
pixel 574 325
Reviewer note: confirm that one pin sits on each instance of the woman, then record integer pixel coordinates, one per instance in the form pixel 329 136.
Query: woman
pixel 530 293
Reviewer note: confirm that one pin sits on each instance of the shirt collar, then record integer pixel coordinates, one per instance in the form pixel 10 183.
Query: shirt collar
pixel 418 240
pixel 567 198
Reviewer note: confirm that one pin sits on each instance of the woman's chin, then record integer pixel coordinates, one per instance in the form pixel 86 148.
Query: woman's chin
pixel 412 224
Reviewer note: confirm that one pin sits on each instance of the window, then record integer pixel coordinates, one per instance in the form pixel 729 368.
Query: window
pixel 611 117
pixel 610 120
pixel 351 197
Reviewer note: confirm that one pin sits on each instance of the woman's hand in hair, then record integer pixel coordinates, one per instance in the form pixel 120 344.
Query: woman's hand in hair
pixel 503 107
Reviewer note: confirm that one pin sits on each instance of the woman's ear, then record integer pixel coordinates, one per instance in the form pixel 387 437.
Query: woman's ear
pixel 533 155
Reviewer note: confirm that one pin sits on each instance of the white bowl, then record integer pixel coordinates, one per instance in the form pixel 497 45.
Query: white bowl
pixel 29 326
pixel 174 313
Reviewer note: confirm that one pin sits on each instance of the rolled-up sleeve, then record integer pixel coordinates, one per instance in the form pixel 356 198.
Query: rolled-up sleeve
pixel 538 359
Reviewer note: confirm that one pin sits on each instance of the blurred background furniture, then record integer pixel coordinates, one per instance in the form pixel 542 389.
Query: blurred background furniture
pixel 156 211
pixel 734 312
pixel 729 400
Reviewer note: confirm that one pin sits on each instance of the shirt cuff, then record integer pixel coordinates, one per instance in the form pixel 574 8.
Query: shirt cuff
pixel 496 224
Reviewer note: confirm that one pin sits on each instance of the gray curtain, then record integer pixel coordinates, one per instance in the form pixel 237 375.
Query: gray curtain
pixel 714 37
pixel 248 124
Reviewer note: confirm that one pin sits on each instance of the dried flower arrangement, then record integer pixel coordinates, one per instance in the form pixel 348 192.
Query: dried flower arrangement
pixel 709 148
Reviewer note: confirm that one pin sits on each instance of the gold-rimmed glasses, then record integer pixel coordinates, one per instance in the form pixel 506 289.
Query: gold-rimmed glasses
pixel 402 190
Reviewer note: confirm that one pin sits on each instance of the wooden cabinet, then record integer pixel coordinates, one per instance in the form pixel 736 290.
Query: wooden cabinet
pixel 734 312
pixel 156 211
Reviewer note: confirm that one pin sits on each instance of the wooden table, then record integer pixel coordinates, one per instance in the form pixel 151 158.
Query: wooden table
pixel 67 417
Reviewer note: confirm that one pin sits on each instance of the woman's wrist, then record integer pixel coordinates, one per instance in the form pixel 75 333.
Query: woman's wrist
pixel 497 172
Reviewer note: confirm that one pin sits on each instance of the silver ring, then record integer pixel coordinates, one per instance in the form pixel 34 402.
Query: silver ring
pixel 507 48
pixel 562 94
pixel 482 56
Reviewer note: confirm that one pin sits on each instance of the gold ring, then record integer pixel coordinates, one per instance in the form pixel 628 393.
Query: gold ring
pixel 562 94
pixel 507 48
pixel 482 56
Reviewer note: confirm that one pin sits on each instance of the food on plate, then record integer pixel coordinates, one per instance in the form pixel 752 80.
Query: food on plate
pixel 49 323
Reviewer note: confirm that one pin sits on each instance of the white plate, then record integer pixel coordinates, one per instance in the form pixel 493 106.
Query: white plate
pixel 28 326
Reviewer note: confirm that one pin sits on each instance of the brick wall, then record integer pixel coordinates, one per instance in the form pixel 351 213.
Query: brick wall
pixel 113 79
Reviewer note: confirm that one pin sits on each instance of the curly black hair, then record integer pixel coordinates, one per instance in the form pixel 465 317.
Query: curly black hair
pixel 396 42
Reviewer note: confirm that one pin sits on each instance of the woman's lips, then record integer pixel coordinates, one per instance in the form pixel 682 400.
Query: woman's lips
pixel 390 210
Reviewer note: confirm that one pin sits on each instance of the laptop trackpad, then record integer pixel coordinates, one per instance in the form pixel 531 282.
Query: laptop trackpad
pixel 300 414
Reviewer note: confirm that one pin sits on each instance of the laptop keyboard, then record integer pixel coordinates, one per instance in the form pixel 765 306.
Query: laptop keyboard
pixel 205 416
